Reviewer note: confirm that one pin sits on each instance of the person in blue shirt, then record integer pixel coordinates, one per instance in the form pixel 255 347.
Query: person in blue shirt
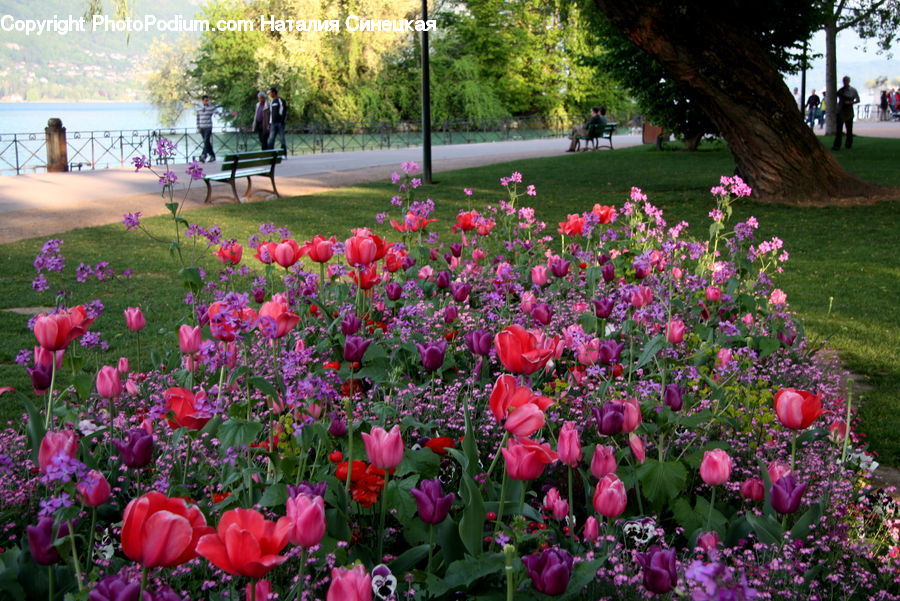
pixel 204 125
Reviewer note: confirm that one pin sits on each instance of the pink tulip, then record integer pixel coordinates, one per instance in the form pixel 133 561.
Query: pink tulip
pixel 675 331
pixel 260 591
pixel 350 585
pixel 555 504
pixel 753 489
pixel 715 469
pixel 385 449
pixel 320 249
pixel 526 459
pixel 189 338
pixel 44 357
pixel 64 442
pixel 708 541
pixel 286 252
pixel 713 294
pixel 777 297
pixel 589 352
pixel 724 357
pixel 610 497
pixel 539 275
pixel 525 420
pixel 568 445
pixel 54 332
pixel 283 320
pixel 797 409
pixel 94 489
pixel 638 447
pixel 109 384
pixel 308 515
pixel 123 366
pixel 591 529
pixel 529 300
pixel 641 296
pixel 134 319
pixel 604 461
pixel 777 470
pixel 633 415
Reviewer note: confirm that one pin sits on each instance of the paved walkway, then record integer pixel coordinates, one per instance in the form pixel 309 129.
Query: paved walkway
pixel 45 204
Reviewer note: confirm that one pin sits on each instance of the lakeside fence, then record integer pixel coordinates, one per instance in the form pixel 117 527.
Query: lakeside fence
pixel 27 153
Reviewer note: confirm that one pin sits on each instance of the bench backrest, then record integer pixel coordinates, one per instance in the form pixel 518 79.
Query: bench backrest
pixel 254 158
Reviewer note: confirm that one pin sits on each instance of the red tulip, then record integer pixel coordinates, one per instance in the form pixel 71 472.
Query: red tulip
pixel 308 515
pixel 572 226
pixel 569 445
pixel 245 543
pixel 753 489
pixel 507 396
pixel 265 252
pixel 797 409
pixel 466 221
pixel 715 469
pixel 134 319
pixel 364 248
pixel 94 489
pixel 287 252
pixel 610 498
pixel 64 442
pixel 109 386
pixel 519 352
pixel 187 408
pixel 526 459
pixel 55 331
pixel 350 585
pixel 230 253
pixel 281 315
pixel 320 249
pixel 189 339
pixel 605 213
pixel 525 420
pixel 366 278
pixel 225 321
pixel 385 449
pixel 159 531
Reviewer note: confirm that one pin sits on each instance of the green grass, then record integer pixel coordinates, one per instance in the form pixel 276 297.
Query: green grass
pixel 843 277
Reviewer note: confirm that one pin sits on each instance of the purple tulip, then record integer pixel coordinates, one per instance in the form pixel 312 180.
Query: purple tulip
pixel 259 294
pixel 433 254
pixel 542 313
pixel 40 377
pixel 136 450
pixel 450 314
pixel 603 307
pixel 393 290
pixel 350 324
pixel 610 418
pixel 608 352
pixel 117 588
pixel 40 540
pixel 641 269
pixel 787 338
pixel 432 354
pixel 456 249
pixel 786 494
pixel 314 490
pixel 442 281
pixel 408 262
pixel 433 505
pixel 460 291
pixel 660 571
pixel 608 272
pixel 355 348
pixel 479 342
pixel 550 570
pixel 448 257
pixel 559 267
pixel 338 426
pixel 673 396
pixel 603 259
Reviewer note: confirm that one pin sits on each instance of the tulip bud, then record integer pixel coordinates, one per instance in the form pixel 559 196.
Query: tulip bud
pixel 569 445
pixel 384 448
pixel 713 294
pixel 550 570
pixel 660 569
pixel 134 319
pixel 603 307
pixel 393 291
pixel 479 342
pixel 610 497
pixel 350 324
pixel 40 541
pixel 542 313
pixel 786 494
pixel 307 512
pixel 604 461
pixel 109 386
pixel 432 354
pixel 752 489
pixel 136 451
pixel 94 489
pixel 715 469
pixel 555 504
pixel 539 275
pixel 708 541
pixel 189 339
pixel 64 443
pixel 591 529
pixel 675 331
pixel 608 272
pixel 673 396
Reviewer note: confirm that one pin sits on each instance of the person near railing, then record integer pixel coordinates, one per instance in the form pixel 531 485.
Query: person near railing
pixel 277 119
pixel 204 125
pixel 261 121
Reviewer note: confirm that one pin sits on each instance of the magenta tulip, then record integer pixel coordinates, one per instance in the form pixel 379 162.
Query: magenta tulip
pixel 134 319
pixel 715 469
pixel 569 445
pixel 610 497
pixel 109 384
pixel 308 514
pixel 385 449
pixel 604 461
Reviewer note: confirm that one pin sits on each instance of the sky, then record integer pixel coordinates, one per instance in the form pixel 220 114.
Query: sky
pixel 856 58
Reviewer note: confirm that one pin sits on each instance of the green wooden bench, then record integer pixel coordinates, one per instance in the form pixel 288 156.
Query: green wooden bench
pixel 597 132
pixel 245 164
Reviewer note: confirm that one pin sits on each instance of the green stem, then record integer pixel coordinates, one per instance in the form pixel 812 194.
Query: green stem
pixel 430 547
pixel 712 503
pixel 381 535
pixel 508 569
pixel 571 506
pixel 347 411
pixel 497 455
pixel 143 582
pixel 847 422
pixel 78 577
pixel 252 590
pixel 50 392
pixel 90 551
pixel 793 449
pixel 51 583
pixel 500 507
pixel 187 459
pixel 112 413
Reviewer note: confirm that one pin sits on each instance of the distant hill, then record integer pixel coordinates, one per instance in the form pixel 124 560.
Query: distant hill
pixel 79 66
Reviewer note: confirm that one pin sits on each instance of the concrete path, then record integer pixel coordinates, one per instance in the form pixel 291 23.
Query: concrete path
pixel 45 204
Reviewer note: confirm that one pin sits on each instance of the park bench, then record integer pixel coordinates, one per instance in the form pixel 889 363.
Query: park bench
pixel 597 132
pixel 245 164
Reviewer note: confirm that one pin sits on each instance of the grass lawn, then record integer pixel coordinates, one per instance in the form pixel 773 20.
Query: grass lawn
pixel 843 276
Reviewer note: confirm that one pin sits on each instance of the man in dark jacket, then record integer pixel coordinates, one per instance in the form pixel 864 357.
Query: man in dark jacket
pixel 597 118
pixel 845 98
pixel 812 108
pixel 277 119
pixel 261 121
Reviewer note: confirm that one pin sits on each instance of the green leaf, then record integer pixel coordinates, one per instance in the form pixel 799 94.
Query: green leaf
pixel 173 207
pixel 802 525
pixel 652 347
pixel 397 496
pixel 767 345
pixel 588 321
pixel 35 426
pixel 464 572
pixel 409 559
pixel 274 495
pixel 264 386
pixel 236 432
pixel 582 575
pixel 471 525
pixel 662 481
pixel 423 462
pixel 767 528
pixel 84 384
pixel 191 278
pixel 685 515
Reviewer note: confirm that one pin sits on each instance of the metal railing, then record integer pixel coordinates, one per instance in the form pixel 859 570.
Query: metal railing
pixel 26 153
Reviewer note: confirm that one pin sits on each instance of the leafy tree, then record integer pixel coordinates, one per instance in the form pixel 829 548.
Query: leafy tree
pixel 172 86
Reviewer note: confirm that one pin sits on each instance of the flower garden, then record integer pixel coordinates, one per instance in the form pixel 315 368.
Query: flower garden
pixel 602 408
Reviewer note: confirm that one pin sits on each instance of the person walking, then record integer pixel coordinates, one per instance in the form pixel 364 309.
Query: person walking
pixel 812 107
pixel 277 119
pixel 261 121
pixel 845 98
pixel 204 125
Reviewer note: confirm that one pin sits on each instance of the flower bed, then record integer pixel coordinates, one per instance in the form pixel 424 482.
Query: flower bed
pixel 613 412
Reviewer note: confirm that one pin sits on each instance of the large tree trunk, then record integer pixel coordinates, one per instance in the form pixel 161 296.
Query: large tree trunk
pixel 734 81
pixel 830 74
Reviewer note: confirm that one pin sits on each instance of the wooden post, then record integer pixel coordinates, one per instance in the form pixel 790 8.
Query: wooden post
pixel 57 153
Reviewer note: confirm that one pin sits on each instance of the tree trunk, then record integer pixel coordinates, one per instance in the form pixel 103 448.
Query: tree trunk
pixel 830 74
pixel 734 81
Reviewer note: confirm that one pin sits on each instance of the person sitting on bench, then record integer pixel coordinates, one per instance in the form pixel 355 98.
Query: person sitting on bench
pixel 597 118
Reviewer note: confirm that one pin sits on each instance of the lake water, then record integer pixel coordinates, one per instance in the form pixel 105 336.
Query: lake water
pixel 31 117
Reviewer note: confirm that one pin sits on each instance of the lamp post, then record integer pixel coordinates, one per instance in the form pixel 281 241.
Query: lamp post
pixel 426 102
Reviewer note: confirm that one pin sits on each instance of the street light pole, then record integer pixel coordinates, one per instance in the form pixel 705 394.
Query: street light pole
pixel 426 102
